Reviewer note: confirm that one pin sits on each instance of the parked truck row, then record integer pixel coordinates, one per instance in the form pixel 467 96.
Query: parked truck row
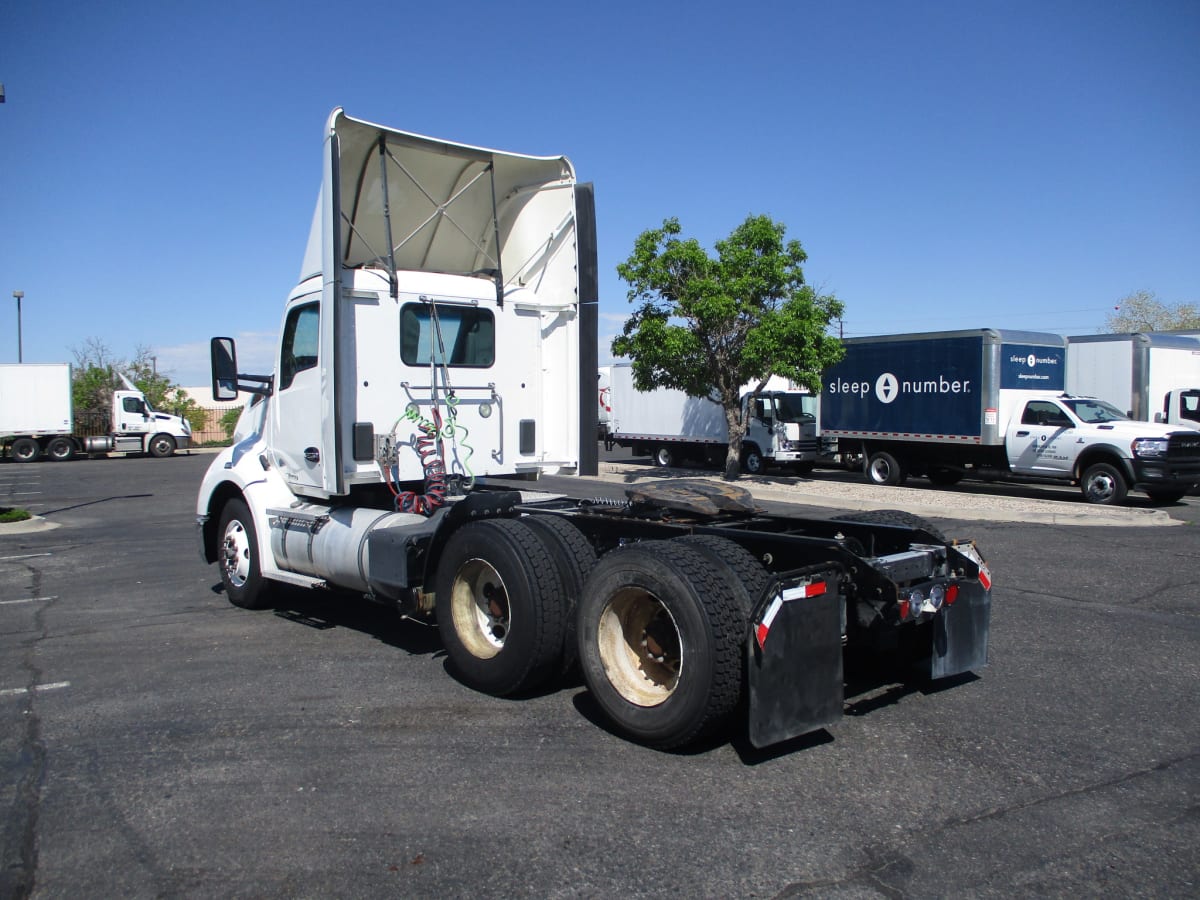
pixel 442 336
pixel 37 418
pixel 983 403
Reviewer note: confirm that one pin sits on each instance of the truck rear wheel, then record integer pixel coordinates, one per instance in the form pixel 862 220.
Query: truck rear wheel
pixel 241 571
pixel 899 517
pixel 1103 483
pixel 884 469
pixel 660 642
pixel 664 456
pixel 60 449
pixel 500 606
pixel 162 445
pixel 25 450
pixel 575 557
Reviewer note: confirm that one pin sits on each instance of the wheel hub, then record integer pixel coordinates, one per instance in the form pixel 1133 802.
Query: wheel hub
pixel 640 647
pixel 235 554
pixel 480 608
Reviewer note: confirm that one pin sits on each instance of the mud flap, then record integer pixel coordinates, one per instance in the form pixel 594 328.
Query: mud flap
pixel 960 633
pixel 794 657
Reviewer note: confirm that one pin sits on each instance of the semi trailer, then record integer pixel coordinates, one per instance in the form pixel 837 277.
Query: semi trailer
pixel 992 404
pixel 37 418
pixel 440 343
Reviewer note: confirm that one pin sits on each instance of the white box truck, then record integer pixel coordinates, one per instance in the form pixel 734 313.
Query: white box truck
pixel 992 404
pixel 1151 376
pixel 437 337
pixel 37 418
pixel 671 427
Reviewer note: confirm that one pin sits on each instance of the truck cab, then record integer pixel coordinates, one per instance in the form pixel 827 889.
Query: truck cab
pixel 783 425
pixel 1181 408
pixel 1089 440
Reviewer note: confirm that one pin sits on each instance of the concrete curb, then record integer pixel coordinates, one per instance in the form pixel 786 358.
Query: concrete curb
pixel 29 526
pixel 942 504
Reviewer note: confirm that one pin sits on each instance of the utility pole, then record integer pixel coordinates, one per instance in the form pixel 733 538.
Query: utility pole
pixel 19 295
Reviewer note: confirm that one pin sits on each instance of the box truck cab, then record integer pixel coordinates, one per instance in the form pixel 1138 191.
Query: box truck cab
pixel 992 404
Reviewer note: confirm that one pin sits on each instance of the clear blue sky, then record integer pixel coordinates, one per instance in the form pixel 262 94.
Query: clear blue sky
pixel 945 164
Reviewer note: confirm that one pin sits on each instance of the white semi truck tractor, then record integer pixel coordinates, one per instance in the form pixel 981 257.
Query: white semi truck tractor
pixel 442 333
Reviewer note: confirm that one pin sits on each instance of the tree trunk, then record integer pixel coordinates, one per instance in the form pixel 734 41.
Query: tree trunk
pixel 733 456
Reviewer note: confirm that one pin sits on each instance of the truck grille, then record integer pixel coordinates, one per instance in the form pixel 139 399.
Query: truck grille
pixel 1184 447
pixel 1183 455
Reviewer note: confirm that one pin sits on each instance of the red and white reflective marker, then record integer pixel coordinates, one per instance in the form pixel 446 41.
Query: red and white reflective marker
pixel 799 592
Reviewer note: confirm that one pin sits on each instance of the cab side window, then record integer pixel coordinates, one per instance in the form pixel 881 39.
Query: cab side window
pixel 300 339
pixel 1042 412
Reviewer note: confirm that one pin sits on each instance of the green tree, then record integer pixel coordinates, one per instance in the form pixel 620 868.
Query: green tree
pixel 97 373
pixel 1142 311
pixel 92 376
pixel 708 325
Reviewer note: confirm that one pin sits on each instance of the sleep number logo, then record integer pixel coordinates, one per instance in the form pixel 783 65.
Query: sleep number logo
pixel 887 387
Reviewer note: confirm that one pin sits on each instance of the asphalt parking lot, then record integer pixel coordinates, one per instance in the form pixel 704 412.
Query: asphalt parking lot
pixel 156 741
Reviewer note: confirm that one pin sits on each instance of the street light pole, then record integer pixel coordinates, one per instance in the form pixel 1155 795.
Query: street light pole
pixel 19 295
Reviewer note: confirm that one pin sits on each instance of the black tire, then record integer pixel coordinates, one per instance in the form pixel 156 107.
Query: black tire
pixel 746 575
pixel 892 517
pixel 25 450
pixel 660 642
pixel 574 557
pixel 161 446
pixel 500 607
pixel 752 460
pixel 238 558
pixel 1104 484
pixel 60 449
pixel 1165 496
pixel 884 469
pixel 944 477
pixel 664 456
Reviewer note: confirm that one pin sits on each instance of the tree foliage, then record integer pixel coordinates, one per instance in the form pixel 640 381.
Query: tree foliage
pixel 710 325
pixel 1143 311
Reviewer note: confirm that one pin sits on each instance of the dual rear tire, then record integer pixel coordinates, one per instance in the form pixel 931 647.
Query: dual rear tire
pixel 661 624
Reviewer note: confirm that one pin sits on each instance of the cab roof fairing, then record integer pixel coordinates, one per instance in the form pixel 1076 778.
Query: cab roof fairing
pixel 440 204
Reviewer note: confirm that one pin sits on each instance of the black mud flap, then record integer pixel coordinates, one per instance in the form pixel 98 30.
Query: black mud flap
pixel 960 632
pixel 794 656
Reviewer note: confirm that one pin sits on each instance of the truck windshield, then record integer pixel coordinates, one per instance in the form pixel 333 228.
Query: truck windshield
pixel 795 407
pixel 1095 412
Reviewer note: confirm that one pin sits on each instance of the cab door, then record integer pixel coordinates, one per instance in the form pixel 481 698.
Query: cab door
pixel 1039 440
pixel 130 415
pixel 297 408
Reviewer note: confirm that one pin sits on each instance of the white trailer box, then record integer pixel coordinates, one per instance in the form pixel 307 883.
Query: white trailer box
pixel 671 426
pixel 35 399
pixel 1136 371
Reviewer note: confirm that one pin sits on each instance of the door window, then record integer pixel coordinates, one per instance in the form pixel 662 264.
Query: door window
pixel 300 341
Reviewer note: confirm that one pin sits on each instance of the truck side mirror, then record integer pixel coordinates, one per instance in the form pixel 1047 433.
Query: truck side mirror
pixel 223 353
